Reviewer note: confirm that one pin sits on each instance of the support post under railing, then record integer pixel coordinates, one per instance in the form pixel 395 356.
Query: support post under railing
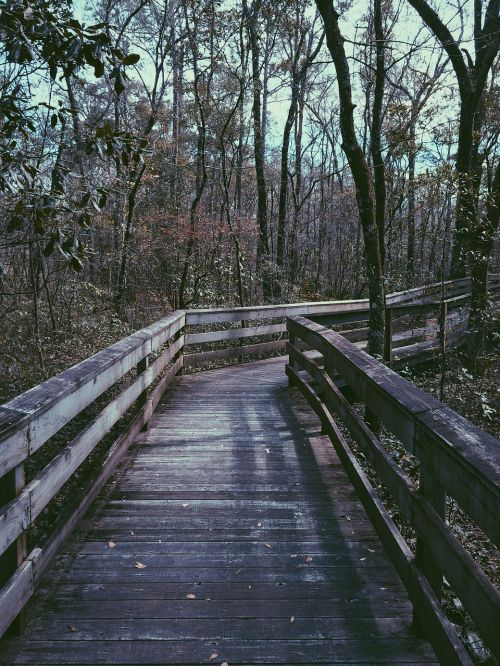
pixel 292 340
pixel 143 398
pixel 435 493
pixel 442 326
pixel 11 486
pixel 388 336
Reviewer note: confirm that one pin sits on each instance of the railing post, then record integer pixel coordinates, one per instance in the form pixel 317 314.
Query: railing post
pixel 143 397
pixel 11 486
pixel 435 493
pixel 442 326
pixel 292 340
pixel 388 337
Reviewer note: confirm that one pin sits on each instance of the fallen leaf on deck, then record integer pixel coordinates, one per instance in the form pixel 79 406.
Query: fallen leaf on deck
pixel 292 619
pixel 139 565
pixel 309 559
pixel 347 519
pixel 362 559
pixel 185 505
pixel 224 663
pixel 267 545
pixel 370 550
pixel 111 544
pixel 214 656
pixel 71 627
pixel 132 533
pixel 294 555
pixel 268 450
pixel 259 524
pixel 191 596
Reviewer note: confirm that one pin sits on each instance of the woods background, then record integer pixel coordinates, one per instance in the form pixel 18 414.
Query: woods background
pixel 160 154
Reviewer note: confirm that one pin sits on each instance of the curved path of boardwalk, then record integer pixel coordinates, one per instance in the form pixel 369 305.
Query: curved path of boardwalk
pixel 231 534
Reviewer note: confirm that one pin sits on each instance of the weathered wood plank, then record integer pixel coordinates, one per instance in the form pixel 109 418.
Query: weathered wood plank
pixel 233 352
pixel 371 650
pixel 234 334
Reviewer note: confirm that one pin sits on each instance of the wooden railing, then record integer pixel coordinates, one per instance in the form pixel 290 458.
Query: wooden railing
pixel 155 354
pixel 27 423
pixel 265 326
pixel 457 460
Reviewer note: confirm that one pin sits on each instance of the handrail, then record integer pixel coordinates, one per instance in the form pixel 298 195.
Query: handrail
pixel 28 421
pixel 456 460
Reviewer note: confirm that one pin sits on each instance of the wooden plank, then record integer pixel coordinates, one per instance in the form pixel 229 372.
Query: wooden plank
pixel 16 592
pixel 383 592
pixel 272 311
pixel 233 352
pixel 371 650
pixel 234 334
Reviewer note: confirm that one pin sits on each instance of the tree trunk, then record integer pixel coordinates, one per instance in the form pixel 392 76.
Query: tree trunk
pixel 481 246
pixel 362 179
pixel 376 133
pixel 263 268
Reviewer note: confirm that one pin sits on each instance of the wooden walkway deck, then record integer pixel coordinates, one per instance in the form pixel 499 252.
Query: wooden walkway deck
pixel 231 534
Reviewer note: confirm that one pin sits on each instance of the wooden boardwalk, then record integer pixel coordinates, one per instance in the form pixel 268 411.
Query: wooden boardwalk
pixel 231 534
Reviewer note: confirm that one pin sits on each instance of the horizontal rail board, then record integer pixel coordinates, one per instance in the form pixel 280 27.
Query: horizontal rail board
pixel 234 334
pixel 273 311
pixel 233 352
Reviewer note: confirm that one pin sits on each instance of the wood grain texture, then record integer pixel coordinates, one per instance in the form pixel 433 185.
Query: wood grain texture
pixel 253 544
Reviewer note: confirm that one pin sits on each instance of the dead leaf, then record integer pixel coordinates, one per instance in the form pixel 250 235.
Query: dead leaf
pixel 370 550
pixel 139 565
pixel 191 596
pixel 347 519
pixel 185 505
pixel 292 619
pixel 362 559
pixel 132 533
pixel 111 544
pixel 309 559
pixel 268 450
pixel 259 524
pixel 71 627
pixel 295 555
pixel 224 663
pixel 267 545
pixel 214 656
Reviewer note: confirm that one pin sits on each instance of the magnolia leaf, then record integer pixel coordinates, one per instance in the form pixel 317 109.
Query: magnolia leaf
pixel 131 59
